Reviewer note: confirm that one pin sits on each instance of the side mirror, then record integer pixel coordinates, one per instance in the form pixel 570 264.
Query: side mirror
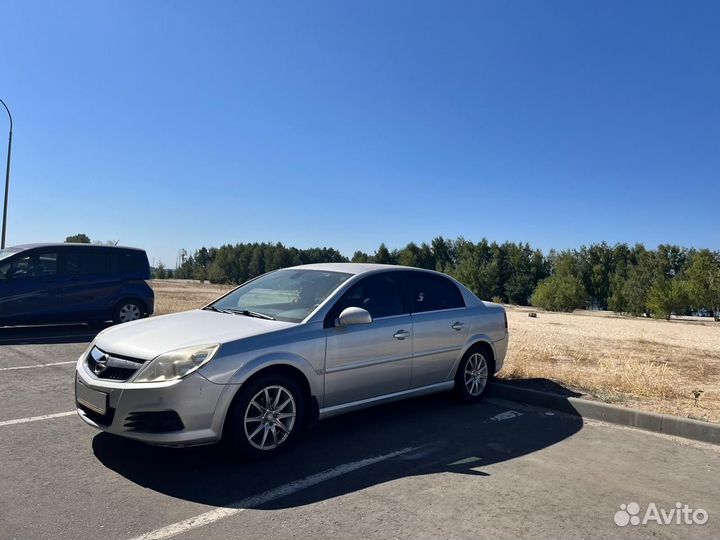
pixel 353 315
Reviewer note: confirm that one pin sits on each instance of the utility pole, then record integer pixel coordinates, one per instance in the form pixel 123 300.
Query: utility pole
pixel 7 177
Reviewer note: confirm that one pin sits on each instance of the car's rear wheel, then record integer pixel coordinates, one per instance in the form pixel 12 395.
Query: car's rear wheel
pixel 472 375
pixel 265 417
pixel 127 310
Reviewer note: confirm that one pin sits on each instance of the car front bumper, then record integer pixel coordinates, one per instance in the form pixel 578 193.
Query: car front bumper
pixel 185 412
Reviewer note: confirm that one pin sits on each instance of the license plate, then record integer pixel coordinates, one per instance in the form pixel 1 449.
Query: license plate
pixel 92 399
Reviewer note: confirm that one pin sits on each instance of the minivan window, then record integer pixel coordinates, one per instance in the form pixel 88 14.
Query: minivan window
pixel 381 295
pixel 129 261
pixel 87 262
pixel 42 264
pixel 433 293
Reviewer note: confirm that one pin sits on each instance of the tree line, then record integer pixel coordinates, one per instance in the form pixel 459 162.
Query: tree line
pixel 626 279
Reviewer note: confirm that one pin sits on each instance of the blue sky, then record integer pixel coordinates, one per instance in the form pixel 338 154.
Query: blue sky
pixel 181 124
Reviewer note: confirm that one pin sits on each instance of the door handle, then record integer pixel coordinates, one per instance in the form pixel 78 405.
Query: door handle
pixel 458 326
pixel 401 334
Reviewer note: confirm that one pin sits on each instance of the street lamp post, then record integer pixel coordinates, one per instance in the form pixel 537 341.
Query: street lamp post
pixel 7 177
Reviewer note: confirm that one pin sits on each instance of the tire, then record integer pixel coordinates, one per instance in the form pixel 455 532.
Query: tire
pixel 473 374
pixel 253 430
pixel 128 310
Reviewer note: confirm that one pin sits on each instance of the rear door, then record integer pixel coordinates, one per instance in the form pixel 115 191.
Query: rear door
pixel 369 360
pixel 31 288
pixel 90 283
pixel 440 326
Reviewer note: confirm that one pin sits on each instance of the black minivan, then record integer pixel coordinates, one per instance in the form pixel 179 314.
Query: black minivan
pixel 55 283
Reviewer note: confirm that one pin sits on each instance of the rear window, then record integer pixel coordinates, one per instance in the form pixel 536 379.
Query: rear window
pixel 433 293
pixel 130 262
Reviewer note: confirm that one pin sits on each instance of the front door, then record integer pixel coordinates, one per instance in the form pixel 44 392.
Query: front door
pixel 369 360
pixel 30 288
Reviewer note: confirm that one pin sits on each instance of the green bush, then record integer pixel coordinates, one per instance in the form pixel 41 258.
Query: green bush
pixel 560 293
pixel 160 271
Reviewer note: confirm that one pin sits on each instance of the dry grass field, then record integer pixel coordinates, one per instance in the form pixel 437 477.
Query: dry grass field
pixel 637 362
pixel 172 295
pixel 642 363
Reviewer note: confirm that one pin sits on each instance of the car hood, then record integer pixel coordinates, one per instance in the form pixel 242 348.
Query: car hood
pixel 147 338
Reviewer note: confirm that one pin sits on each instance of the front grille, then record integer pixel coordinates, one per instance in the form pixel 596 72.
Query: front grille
pixel 111 366
pixel 102 419
pixel 154 422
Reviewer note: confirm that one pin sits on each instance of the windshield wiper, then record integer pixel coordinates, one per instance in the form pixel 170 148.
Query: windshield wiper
pixel 249 313
pixel 218 310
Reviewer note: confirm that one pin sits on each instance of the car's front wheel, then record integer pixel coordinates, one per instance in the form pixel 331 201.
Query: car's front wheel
pixel 472 375
pixel 265 417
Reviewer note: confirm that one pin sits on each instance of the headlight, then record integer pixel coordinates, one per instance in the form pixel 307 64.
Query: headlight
pixel 176 364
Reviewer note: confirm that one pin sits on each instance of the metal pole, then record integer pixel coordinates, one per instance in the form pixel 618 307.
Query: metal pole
pixel 7 177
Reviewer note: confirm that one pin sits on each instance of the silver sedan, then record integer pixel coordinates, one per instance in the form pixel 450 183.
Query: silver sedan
pixel 286 349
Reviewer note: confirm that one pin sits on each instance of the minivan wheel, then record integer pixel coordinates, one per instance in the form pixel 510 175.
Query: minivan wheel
pixel 472 376
pixel 127 310
pixel 266 417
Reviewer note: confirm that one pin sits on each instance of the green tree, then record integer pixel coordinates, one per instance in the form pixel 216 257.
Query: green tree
pixel 596 265
pixel 81 238
pixel 467 266
pixel 409 255
pixel 703 276
pixel 360 257
pixel 443 251
pixel 632 281
pixel 216 272
pixel 519 283
pixel 560 293
pixel 202 257
pixel 667 296
pixel 382 255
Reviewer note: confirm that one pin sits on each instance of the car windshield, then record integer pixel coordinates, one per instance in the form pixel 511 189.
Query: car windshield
pixel 285 295
pixel 5 253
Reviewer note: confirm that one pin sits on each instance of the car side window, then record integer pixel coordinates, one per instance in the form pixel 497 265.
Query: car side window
pixel 87 262
pixel 381 295
pixel 433 293
pixel 35 265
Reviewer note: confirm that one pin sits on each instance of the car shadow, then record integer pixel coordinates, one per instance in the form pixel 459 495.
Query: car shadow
pixel 540 385
pixel 433 434
pixel 50 334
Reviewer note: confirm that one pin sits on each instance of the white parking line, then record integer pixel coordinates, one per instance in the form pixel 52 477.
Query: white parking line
pixel 38 365
pixel 235 508
pixel 35 418
pixel 507 415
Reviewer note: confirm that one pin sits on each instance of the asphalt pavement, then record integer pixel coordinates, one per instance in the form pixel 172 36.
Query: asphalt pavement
pixel 423 468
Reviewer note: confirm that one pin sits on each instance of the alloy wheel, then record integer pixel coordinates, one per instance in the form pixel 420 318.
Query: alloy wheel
pixel 476 374
pixel 270 417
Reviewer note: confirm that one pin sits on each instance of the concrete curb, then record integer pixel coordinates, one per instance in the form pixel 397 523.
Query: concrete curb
pixel 606 412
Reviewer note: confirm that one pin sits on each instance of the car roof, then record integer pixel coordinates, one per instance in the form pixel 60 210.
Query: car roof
pixel 356 268
pixel 23 247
